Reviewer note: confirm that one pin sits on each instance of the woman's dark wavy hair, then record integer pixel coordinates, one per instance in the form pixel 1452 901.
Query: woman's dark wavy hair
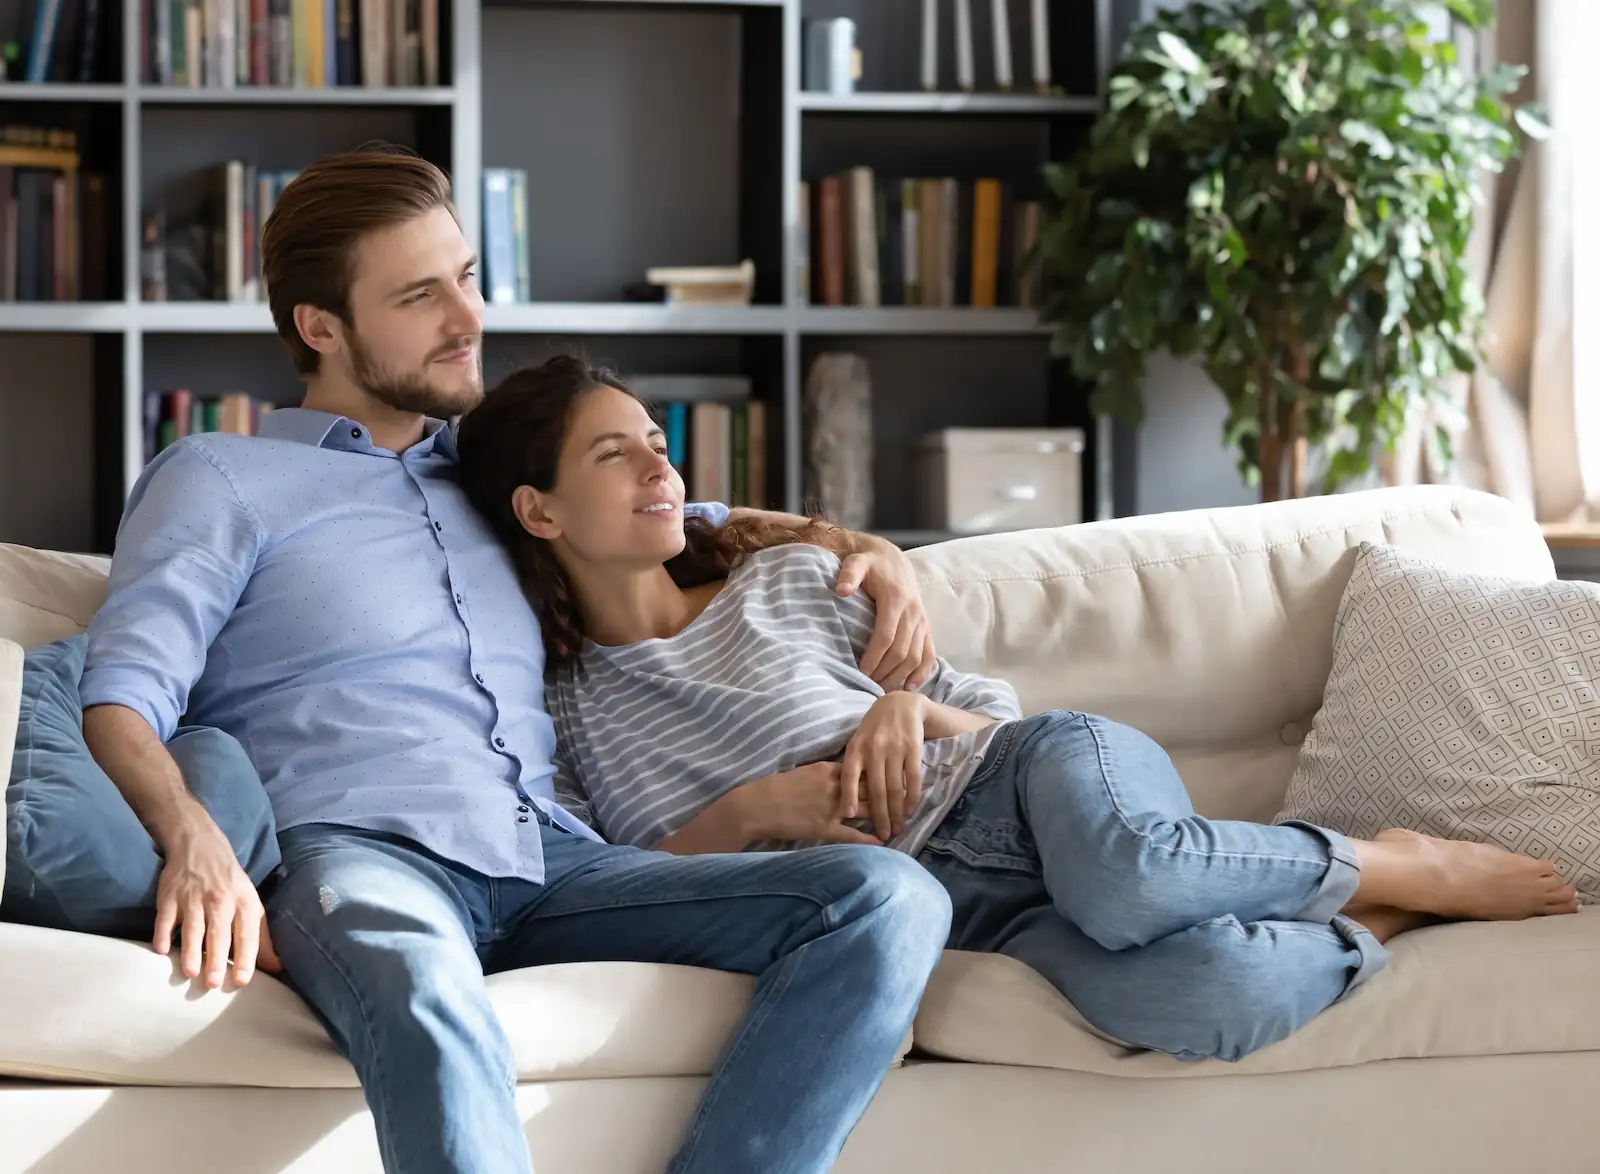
pixel 514 438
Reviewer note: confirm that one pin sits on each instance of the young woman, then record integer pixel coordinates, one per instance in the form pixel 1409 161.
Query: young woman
pixel 706 698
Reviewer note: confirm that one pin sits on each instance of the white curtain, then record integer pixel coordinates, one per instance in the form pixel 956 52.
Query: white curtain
pixel 1523 428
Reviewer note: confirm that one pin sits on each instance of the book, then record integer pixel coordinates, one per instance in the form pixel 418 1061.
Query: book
pixel 499 236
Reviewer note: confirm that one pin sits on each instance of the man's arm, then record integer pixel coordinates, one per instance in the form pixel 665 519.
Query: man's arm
pixel 901 652
pixel 185 550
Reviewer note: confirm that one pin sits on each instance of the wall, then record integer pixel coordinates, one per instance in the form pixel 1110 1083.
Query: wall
pixel 46 486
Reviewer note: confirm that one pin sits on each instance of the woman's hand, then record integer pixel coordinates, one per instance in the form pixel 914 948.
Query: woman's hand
pixel 800 804
pixel 884 762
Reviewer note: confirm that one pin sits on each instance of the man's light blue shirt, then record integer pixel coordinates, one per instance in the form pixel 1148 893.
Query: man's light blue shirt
pixel 347 615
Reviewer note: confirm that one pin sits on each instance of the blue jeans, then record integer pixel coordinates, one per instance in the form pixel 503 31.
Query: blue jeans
pixel 389 944
pixel 1076 850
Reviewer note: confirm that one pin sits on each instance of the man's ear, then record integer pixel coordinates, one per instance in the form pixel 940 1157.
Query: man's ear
pixel 319 330
pixel 529 506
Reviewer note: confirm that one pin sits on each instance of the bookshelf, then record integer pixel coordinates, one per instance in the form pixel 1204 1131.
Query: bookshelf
pixel 674 132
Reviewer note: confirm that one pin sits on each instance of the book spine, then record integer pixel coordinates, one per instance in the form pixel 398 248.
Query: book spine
pixel 910 244
pixel 756 493
pixel 802 246
pixel 677 429
pixel 864 238
pixel 499 230
pixel 985 242
pixel 44 39
pixel 519 236
pixel 831 224
pixel 739 455
pixel 348 52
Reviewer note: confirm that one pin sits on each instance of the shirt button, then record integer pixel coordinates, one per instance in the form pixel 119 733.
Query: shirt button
pixel 478 677
pixel 524 807
pixel 438 526
pixel 522 819
pixel 500 742
pixel 356 433
pixel 459 599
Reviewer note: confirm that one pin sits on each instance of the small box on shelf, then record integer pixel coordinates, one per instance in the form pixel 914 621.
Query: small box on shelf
pixel 977 480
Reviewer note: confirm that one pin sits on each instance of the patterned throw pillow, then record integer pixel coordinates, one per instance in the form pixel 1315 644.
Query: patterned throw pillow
pixel 1460 706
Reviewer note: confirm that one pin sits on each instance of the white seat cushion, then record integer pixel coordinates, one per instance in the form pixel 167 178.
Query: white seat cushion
pixel 78 1007
pixel 1468 989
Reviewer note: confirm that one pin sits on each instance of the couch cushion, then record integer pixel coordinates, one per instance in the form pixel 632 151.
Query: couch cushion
pixel 81 1007
pixel 1467 989
pixel 1140 619
pixel 1463 706
pixel 45 594
pixel 77 856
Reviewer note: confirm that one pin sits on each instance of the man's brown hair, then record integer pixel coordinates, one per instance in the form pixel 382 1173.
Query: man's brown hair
pixel 308 243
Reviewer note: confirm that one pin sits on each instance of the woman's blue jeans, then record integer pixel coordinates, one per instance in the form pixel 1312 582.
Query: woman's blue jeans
pixel 1076 850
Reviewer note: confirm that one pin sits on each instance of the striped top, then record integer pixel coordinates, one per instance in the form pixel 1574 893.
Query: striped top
pixel 765 679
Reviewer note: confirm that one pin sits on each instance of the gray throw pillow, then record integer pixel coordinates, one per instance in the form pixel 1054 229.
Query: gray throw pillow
pixel 1461 706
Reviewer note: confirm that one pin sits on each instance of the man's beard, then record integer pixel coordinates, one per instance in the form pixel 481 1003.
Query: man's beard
pixel 414 392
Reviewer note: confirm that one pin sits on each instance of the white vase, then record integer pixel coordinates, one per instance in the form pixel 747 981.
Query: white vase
pixel 838 436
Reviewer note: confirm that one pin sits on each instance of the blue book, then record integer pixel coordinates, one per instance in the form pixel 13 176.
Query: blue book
pixel 499 236
pixel 677 433
pixel 44 40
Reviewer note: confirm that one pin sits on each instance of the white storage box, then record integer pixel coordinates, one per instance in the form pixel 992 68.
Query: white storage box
pixel 971 480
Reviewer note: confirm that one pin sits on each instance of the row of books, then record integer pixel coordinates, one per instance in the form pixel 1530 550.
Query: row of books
pixel 720 449
pixel 218 256
pixel 54 40
pixel 872 241
pixel 303 43
pixel 170 416
pixel 53 220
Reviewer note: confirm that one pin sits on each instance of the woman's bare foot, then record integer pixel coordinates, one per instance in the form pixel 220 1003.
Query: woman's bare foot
pixel 1458 879
pixel 1385 921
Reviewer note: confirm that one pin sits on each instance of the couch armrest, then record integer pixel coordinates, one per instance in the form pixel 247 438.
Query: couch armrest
pixel 10 700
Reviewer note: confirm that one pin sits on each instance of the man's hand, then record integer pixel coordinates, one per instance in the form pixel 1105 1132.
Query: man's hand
pixel 900 653
pixel 886 755
pixel 799 804
pixel 203 890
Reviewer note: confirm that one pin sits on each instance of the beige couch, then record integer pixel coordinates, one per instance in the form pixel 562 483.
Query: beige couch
pixel 1478 1049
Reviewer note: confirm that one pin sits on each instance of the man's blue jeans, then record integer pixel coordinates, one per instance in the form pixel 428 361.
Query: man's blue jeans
pixel 389 944
pixel 1075 850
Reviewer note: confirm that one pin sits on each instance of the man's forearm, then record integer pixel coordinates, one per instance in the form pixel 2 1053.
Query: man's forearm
pixel 833 538
pixel 137 761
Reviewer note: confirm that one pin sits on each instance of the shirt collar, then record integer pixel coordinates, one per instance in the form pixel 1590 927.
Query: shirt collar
pixel 326 430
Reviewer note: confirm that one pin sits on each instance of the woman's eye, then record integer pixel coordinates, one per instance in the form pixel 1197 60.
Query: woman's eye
pixel 611 455
pixel 661 449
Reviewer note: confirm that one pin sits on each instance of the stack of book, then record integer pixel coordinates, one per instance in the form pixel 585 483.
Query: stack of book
pixel 53 219
pixel 54 40
pixel 170 416
pixel 705 285
pixel 872 241
pixel 218 258
pixel 716 435
pixel 303 43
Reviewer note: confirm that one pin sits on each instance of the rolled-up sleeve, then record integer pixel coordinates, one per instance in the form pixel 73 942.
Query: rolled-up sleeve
pixel 714 512
pixel 187 546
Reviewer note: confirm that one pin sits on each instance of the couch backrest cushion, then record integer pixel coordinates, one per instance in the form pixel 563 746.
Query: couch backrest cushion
pixel 1210 630
pixel 45 595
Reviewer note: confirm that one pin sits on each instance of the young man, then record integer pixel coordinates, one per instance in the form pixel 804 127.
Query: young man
pixel 325 593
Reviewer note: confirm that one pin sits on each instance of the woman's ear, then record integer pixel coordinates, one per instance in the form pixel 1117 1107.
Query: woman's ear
pixel 529 506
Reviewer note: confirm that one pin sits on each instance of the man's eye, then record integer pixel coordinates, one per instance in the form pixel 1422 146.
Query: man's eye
pixel 416 297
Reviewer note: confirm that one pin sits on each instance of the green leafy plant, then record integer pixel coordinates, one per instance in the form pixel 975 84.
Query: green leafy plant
pixel 1285 190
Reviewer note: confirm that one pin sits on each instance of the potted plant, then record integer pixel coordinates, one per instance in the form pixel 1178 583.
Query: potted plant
pixel 1283 189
